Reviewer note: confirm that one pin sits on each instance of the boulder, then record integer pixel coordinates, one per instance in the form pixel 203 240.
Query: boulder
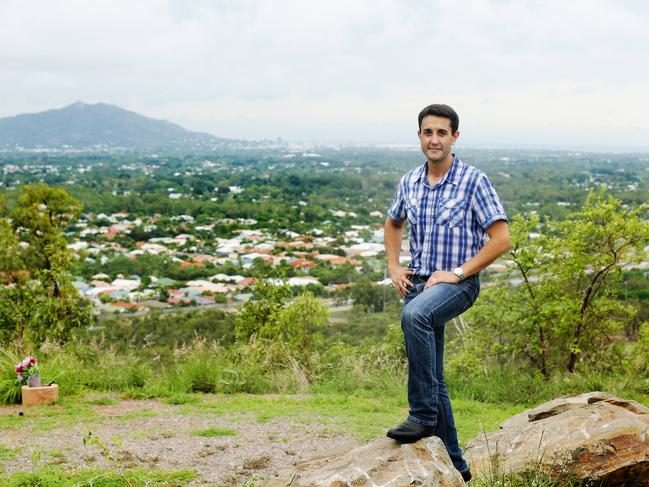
pixel 594 436
pixel 377 462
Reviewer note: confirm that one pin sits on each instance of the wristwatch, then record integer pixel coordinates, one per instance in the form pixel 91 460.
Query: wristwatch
pixel 459 273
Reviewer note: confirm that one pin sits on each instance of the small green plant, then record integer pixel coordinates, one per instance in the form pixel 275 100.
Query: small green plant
pixel 36 457
pixel 232 381
pixel 209 432
pixel 107 451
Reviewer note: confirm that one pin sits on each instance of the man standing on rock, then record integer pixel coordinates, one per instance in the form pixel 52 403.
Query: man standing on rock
pixel 450 206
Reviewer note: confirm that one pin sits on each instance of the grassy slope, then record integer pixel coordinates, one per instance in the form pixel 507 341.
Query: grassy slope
pixel 364 416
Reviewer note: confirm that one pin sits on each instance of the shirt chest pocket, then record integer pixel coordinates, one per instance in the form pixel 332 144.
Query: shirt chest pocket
pixel 450 212
pixel 412 211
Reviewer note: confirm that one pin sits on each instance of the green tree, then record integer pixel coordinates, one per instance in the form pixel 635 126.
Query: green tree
pixel 37 219
pixel 372 297
pixel 597 242
pixel 529 256
pixel 563 308
pixel 38 300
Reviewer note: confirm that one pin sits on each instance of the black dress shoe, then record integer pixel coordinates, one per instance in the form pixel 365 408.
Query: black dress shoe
pixel 466 475
pixel 409 432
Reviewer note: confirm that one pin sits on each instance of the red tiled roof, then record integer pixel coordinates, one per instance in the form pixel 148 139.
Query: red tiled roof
pixel 123 304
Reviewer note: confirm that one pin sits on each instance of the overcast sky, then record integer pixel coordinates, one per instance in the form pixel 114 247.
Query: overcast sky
pixel 553 73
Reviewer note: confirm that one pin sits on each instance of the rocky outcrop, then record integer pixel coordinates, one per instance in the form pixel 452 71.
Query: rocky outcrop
pixel 594 436
pixel 378 462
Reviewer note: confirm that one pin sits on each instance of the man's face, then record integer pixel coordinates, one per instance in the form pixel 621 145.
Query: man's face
pixel 436 138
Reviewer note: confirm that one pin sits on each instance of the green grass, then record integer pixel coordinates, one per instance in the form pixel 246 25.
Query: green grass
pixel 11 421
pixel 66 477
pixel 101 401
pixel 7 453
pixel 532 478
pixel 521 386
pixel 181 398
pixel 474 417
pixel 52 416
pixel 364 416
pixel 145 413
pixel 208 432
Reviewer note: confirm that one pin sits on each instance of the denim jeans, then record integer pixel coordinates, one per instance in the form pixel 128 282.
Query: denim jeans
pixel 423 318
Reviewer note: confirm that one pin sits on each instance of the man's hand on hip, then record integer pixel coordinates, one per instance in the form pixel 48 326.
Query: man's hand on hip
pixel 399 276
pixel 441 276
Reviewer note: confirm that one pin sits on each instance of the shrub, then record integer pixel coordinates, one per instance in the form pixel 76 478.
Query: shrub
pixel 10 388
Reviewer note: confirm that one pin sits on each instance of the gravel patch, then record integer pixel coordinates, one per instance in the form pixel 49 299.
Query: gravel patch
pixel 150 434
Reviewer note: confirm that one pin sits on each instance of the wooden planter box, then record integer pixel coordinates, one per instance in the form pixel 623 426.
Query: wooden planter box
pixel 33 396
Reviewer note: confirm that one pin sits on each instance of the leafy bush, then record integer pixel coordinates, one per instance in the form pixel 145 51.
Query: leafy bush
pixel 197 369
pixel 10 388
pixel 563 313
pixel 157 335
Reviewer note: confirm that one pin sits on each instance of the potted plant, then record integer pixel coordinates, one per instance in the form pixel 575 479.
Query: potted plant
pixel 28 372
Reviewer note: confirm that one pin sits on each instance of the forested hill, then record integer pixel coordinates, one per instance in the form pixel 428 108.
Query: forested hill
pixel 83 126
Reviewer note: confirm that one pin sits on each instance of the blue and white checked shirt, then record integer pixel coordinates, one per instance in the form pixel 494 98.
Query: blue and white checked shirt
pixel 448 221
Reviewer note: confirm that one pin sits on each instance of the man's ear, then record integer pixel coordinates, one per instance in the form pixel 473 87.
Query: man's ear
pixel 456 136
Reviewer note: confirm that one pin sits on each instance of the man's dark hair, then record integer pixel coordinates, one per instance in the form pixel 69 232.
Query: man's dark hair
pixel 443 111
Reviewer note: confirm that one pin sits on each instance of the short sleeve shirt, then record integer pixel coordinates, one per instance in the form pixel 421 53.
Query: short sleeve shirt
pixel 448 221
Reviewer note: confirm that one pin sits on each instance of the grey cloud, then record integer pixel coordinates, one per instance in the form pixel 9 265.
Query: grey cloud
pixel 186 61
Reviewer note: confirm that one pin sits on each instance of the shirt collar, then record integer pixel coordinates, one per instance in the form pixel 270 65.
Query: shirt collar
pixel 452 175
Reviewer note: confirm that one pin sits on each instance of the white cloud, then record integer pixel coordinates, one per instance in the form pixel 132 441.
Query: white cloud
pixel 352 70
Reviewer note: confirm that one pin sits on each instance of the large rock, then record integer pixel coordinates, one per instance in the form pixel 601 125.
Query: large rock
pixel 378 462
pixel 595 436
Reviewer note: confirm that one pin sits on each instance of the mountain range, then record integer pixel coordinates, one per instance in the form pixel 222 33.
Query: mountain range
pixel 99 126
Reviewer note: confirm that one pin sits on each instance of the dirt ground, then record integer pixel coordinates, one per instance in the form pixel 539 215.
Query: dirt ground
pixel 150 434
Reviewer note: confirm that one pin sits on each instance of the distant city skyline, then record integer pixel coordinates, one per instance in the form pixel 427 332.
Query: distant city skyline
pixel 552 74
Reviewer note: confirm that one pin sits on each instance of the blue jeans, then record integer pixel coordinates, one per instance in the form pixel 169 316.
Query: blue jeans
pixel 422 321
